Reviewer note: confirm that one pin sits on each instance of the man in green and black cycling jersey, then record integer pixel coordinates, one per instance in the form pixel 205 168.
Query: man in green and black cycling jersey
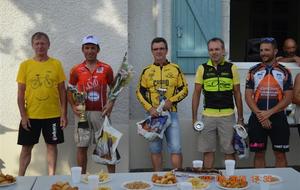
pixel 269 90
pixel 220 83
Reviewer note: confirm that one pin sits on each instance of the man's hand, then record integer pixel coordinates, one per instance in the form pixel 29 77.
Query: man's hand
pixel 76 110
pixel 153 112
pixel 297 60
pixel 168 105
pixel 266 124
pixel 63 121
pixel 263 115
pixel 240 122
pixel 25 123
pixel 107 109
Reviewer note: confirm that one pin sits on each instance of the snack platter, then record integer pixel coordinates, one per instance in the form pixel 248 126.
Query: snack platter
pixel 103 177
pixel 138 184
pixel 206 174
pixel 7 180
pixel 270 178
pixel 7 184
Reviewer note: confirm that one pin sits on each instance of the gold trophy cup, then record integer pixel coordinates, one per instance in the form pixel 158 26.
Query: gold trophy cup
pixel 79 98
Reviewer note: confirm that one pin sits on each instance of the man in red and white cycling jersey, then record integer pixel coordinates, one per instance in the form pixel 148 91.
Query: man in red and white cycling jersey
pixel 93 77
pixel 269 90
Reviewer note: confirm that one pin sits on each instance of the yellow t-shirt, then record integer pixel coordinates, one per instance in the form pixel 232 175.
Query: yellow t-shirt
pixel 199 80
pixel 41 95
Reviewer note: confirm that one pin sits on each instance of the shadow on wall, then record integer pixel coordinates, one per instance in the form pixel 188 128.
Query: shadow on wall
pixel 4 129
pixel 66 23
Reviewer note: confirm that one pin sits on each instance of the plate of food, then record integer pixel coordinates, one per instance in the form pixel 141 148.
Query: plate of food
pixel 166 180
pixel 198 183
pixel 103 177
pixel 233 182
pixel 60 185
pixel 137 185
pixel 270 178
pixel 104 188
pixel 6 180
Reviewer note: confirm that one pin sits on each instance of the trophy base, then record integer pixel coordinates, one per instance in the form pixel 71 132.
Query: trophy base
pixel 83 124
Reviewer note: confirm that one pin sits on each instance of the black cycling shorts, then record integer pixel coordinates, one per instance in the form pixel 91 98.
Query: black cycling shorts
pixel 279 133
pixel 52 132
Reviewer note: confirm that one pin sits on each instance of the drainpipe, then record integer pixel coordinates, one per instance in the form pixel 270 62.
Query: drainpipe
pixel 159 18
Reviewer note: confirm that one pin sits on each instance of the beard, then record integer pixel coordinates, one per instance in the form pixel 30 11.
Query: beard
pixel 289 54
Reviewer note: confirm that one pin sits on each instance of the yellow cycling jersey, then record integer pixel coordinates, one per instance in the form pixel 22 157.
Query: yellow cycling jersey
pixel 167 79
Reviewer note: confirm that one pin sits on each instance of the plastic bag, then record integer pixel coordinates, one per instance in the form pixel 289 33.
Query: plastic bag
pixel 240 144
pixel 154 127
pixel 107 141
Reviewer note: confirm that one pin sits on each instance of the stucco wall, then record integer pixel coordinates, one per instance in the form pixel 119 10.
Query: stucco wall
pixel 66 22
pixel 141 31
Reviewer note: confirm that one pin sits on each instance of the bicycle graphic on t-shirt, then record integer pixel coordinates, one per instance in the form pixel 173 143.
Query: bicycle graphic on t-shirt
pixel 39 81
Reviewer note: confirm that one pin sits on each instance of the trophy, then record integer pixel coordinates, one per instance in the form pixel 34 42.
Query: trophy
pixel 79 98
pixel 161 92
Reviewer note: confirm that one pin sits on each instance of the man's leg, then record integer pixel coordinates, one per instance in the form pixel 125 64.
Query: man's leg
pixel 25 158
pixel 51 158
pixel 176 160
pixel 82 158
pixel 208 159
pixel 280 159
pixel 111 168
pixel 259 160
pixel 156 161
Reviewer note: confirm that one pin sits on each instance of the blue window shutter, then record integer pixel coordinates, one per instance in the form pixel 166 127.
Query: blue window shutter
pixel 194 23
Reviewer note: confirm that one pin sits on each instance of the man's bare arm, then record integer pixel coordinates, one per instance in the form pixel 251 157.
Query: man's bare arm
pixel 195 101
pixel 238 102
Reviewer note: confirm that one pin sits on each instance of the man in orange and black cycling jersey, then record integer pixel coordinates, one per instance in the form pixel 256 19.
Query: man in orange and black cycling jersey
pixel 269 90
pixel 167 77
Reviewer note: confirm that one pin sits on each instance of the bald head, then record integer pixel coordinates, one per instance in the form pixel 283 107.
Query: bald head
pixel 289 47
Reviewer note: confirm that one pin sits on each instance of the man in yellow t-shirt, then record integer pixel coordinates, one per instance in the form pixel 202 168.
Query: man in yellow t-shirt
pixel 219 81
pixel 42 103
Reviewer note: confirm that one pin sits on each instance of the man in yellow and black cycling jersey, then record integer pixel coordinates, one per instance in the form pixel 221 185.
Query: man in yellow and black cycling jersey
pixel 163 80
pixel 220 83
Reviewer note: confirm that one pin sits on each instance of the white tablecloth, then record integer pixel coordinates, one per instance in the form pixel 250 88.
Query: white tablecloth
pixel 290 177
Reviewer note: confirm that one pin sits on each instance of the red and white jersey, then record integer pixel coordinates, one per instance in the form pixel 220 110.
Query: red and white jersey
pixel 93 83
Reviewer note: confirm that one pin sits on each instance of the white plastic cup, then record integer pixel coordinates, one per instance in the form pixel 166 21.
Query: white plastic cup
pixel 197 163
pixel 76 174
pixel 263 185
pixel 185 186
pixel 93 181
pixel 229 167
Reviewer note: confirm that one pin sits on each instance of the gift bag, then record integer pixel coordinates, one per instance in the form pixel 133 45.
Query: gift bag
pixel 106 147
pixel 240 144
pixel 154 127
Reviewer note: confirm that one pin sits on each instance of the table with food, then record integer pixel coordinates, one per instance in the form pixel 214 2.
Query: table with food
pixel 199 179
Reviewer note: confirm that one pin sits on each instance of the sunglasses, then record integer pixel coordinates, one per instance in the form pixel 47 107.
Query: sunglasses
pixel 268 39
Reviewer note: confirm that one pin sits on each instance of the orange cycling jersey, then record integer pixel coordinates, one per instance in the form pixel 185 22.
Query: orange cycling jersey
pixel 93 83
pixel 269 83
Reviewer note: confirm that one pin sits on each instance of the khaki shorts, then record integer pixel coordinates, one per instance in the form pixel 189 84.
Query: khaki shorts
pixel 86 137
pixel 213 126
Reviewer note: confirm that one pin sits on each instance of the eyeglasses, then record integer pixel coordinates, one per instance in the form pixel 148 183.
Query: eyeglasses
pixel 267 39
pixel 155 49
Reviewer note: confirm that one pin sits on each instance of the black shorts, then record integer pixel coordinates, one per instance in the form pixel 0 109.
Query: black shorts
pixel 279 133
pixel 52 132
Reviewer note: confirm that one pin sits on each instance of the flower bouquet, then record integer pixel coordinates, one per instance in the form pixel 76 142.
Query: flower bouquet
pixel 122 78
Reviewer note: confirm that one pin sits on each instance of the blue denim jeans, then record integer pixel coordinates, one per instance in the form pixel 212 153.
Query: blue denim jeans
pixel 172 136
